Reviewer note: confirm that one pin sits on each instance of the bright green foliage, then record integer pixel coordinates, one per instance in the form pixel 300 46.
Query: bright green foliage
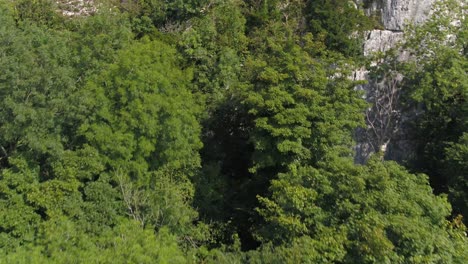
pixel 19 220
pixel 61 242
pixel 139 95
pixel 75 160
pixel 359 214
pixel 144 125
pixel 301 109
pixel 46 171
pixel 97 39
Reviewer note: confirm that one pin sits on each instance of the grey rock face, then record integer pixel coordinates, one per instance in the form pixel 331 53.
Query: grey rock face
pixel 396 13
pixel 394 16
pixel 381 40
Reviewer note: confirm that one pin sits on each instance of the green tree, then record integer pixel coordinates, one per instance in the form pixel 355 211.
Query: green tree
pixel 81 151
pixel 348 213
pixel 341 22
pixel 42 12
pixel 143 123
pixel 295 108
pixel 302 107
pixel 61 241
pixel 37 80
pixel 435 83
pixel 214 48
pixel 97 39
pixel 455 167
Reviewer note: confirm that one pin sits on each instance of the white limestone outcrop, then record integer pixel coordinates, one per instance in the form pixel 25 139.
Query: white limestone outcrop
pixel 395 14
pixel 381 40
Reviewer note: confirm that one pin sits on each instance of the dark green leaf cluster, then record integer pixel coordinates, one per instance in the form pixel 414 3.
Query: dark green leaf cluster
pixel 436 85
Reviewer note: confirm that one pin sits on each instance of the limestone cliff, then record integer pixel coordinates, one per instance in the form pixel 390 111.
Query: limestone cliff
pixel 394 15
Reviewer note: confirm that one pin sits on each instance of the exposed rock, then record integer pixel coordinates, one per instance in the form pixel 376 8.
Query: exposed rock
pixel 394 16
pixel 76 7
pixel 381 40
pixel 396 13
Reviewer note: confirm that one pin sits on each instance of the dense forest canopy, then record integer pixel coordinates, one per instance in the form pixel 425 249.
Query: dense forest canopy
pixel 222 131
